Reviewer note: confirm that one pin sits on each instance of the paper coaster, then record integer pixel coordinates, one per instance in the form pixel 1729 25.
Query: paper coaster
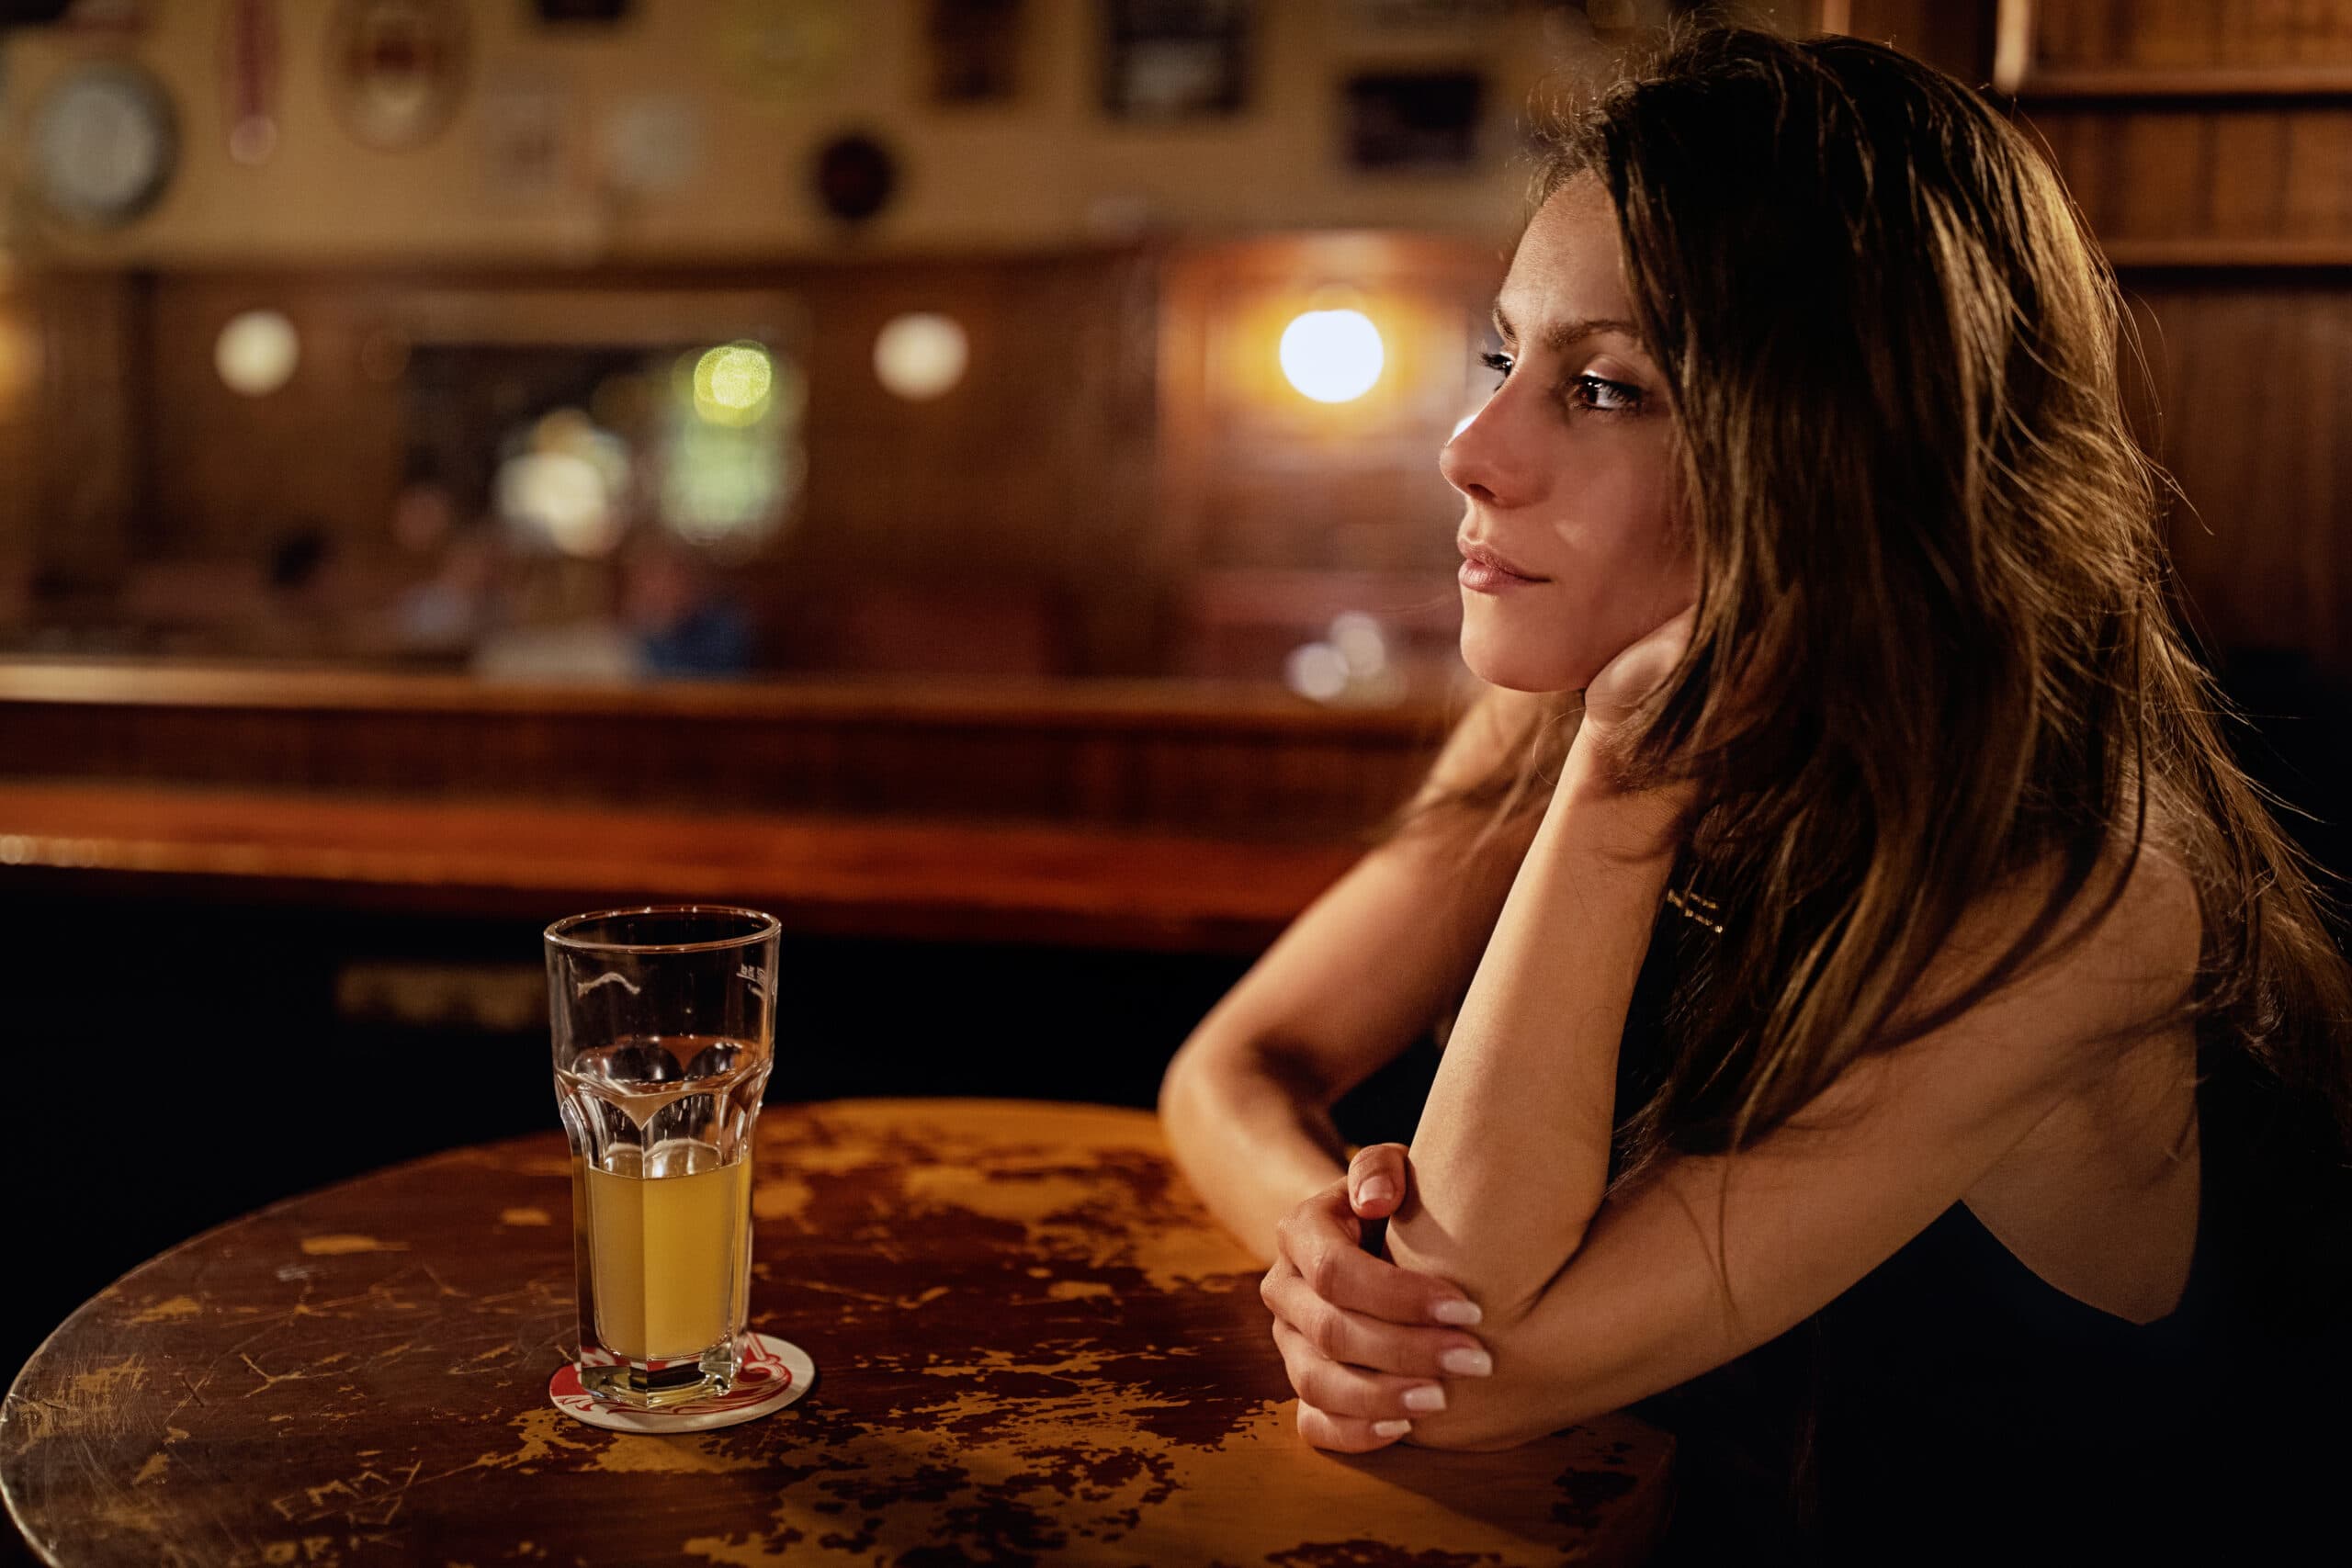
pixel 775 1372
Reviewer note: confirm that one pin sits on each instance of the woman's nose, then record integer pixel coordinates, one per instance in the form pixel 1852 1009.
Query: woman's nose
pixel 1481 461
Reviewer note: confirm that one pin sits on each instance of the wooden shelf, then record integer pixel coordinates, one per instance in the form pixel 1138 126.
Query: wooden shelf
pixel 2201 84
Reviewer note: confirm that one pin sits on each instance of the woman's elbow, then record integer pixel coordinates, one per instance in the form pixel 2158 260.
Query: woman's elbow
pixel 1456 1432
pixel 1483 1415
pixel 1189 1082
pixel 1474 1425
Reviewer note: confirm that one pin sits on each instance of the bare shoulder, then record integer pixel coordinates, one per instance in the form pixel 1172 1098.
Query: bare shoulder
pixel 2159 922
pixel 2149 936
pixel 2107 978
pixel 2122 956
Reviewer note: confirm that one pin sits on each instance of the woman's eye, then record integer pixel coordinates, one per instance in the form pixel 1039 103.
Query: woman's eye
pixel 1595 392
pixel 1606 397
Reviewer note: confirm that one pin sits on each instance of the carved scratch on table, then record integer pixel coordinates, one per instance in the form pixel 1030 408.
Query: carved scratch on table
pixel 371 1497
pixel 95 1402
pixel 269 1379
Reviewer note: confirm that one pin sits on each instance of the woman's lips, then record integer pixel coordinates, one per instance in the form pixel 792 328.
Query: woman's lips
pixel 1485 572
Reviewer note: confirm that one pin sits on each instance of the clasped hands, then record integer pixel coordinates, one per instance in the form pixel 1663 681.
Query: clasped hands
pixel 1368 1345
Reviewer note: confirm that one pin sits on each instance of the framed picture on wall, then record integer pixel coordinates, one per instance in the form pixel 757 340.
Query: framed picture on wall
pixel 1171 60
pixel 1414 122
pixel 976 51
pixel 565 13
pixel 396 69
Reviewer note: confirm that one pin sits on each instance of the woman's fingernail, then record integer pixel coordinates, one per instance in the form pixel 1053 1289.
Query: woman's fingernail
pixel 1464 1362
pixel 1425 1398
pixel 1458 1312
pixel 1376 1190
pixel 1391 1428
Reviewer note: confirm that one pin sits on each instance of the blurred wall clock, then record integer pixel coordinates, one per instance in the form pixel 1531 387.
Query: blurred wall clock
pixel 396 69
pixel 103 145
pixel 854 177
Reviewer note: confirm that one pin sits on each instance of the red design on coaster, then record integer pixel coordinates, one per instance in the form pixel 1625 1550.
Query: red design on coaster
pixel 775 1372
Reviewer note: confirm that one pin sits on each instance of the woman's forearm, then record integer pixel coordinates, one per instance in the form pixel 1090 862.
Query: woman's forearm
pixel 1512 1156
pixel 1253 1144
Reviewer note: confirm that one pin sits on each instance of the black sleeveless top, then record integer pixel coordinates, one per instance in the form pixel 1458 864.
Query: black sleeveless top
pixel 1953 1406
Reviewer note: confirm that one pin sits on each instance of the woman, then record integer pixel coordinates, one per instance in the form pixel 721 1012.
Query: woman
pixel 1888 1034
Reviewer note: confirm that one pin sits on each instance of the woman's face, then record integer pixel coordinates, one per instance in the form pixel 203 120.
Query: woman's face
pixel 1572 546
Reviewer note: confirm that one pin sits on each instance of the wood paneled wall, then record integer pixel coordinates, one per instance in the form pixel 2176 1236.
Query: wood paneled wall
pixel 74 464
pixel 2252 372
pixel 1027 485
pixel 2209 143
pixel 2211 146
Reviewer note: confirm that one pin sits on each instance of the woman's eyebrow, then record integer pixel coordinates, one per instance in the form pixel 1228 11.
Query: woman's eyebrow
pixel 1562 335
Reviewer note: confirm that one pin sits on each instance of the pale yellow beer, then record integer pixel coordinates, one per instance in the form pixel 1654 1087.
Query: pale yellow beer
pixel 668 1253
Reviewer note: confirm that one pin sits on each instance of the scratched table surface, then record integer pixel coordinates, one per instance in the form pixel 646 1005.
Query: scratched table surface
pixel 1032 1344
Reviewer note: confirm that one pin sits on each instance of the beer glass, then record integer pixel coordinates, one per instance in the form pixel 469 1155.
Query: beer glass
pixel 665 1026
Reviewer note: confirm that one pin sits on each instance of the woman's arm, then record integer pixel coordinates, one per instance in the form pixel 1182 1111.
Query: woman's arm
pixel 1246 1103
pixel 1524 1100
pixel 1713 1255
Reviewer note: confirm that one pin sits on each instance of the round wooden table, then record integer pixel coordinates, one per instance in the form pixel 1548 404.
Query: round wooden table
pixel 1032 1343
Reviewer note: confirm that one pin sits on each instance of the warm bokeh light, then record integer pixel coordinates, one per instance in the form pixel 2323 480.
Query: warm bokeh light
pixel 1333 356
pixel 256 353
pixel 1317 671
pixel 1351 664
pixel 731 460
pixel 922 354
pixel 561 497
pixel 1362 644
pixel 567 492
pixel 733 384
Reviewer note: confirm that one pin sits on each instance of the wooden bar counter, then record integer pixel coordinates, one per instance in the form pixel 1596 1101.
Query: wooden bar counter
pixel 1152 816
pixel 837 876
pixel 1197 758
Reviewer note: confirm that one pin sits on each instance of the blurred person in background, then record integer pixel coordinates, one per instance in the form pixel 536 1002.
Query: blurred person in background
pixel 1886 1040
pixel 306 609
pixel 687 624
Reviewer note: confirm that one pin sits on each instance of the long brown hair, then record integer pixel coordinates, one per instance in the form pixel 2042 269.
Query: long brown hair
pixel 1932 569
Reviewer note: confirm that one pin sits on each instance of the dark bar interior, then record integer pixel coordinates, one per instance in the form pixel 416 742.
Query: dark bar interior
pixel 960 477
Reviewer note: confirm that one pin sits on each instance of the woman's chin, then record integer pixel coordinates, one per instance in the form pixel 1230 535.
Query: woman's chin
pixel 1498 662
